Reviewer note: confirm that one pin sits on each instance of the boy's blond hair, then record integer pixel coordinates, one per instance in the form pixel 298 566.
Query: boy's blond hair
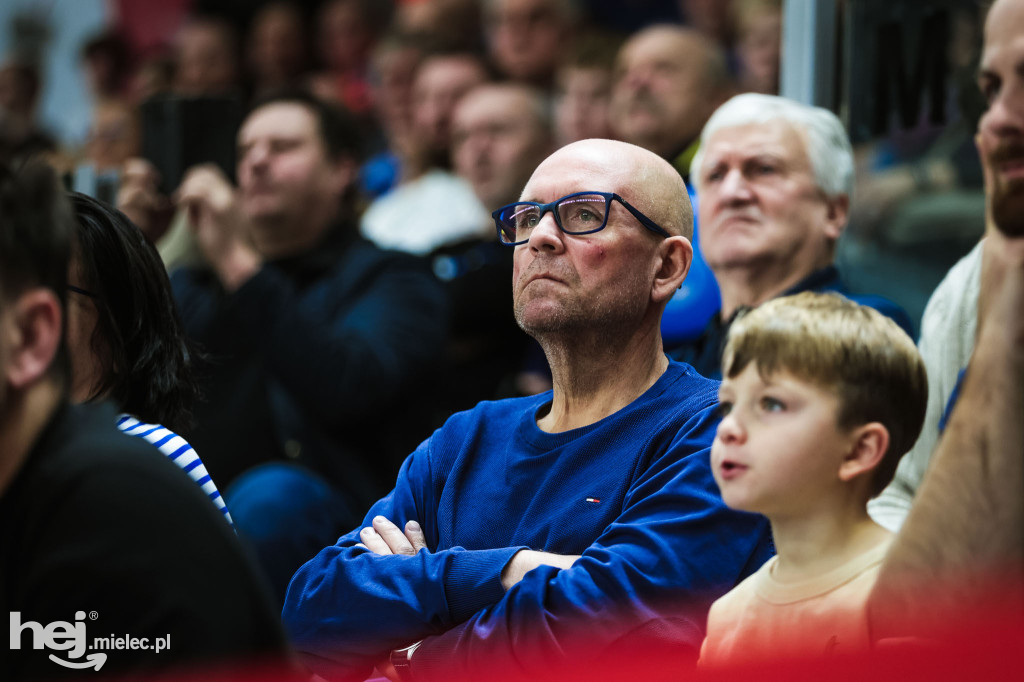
pixel 827 340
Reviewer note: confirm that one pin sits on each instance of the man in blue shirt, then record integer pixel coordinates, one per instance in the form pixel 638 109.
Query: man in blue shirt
pixel 563 533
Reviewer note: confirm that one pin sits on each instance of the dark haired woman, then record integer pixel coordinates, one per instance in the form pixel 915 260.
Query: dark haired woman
pixel 125 338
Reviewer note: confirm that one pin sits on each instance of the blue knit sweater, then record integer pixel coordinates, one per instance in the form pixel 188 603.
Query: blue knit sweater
pixel 633 493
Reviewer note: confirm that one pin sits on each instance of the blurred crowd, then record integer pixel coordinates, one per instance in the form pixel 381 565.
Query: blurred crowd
pixel 303 277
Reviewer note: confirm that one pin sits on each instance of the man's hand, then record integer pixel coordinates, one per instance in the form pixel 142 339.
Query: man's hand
pixel 220 228
pixel 525 560
pixel 385 537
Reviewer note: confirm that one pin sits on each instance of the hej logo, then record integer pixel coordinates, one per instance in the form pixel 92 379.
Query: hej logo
pixel 60 636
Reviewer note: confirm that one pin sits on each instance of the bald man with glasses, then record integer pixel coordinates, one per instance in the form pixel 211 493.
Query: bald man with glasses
pixel 563 533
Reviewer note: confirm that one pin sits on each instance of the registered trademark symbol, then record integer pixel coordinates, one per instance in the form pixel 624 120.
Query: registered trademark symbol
pixel 93 615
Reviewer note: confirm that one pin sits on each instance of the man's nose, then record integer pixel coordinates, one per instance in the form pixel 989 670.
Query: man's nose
pixel 1005 115
pixel 735 187
pixel 256 155
pixel 637 78
pixel 546 235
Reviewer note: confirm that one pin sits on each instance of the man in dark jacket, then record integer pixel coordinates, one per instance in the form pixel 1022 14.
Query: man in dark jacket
pixel 318 343
pixel 110 557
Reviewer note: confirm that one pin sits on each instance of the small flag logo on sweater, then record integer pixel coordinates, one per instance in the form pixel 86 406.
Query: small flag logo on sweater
pixel 593 500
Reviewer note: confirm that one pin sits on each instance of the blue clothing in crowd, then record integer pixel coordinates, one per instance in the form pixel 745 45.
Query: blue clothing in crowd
pixel 705 351
pixel 633 493
pixel 176 449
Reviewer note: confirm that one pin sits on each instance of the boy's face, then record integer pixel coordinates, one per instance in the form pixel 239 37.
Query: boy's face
pixel 778 448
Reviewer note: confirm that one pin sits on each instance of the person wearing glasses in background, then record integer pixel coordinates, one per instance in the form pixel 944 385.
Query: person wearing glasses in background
pixel 576 530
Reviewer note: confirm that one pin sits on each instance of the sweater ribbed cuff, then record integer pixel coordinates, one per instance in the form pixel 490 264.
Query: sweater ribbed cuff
pixel 473 580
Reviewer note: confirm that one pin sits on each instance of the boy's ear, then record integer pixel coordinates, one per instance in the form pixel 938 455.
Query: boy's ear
pixel 870 443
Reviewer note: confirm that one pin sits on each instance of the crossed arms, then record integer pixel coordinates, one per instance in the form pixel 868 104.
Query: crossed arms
pixel 649 574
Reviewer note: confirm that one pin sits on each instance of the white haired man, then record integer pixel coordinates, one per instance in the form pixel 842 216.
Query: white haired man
pixel 773 180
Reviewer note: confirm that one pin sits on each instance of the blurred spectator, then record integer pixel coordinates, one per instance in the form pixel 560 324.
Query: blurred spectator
pixel 91 520
pixel 445 24
pixel 710 18
pixel 19 95
pixel 276 52
pixel 346 31
pixel 525 38
pixel 668 81
pixel 758 44
pixel 320 344
pixel 153 75
pixel 108 65
pixel 113 139
pixel 584 85
pixel 392 75
pixel 207 57
pixel 125 339
pixel 774 179
pixel 500 132
pixel 441 80
pixel 431 206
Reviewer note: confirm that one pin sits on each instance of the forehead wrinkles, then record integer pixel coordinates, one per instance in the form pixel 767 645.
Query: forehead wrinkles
pixel 575 172
pixel 776 138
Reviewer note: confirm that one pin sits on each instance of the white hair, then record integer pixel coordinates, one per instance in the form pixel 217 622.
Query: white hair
pixel 827 144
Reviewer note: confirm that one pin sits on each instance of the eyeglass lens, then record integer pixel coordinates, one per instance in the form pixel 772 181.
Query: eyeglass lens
pixel 576 214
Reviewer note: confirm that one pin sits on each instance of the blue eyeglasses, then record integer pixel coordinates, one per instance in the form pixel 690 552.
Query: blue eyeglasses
pixel 579 213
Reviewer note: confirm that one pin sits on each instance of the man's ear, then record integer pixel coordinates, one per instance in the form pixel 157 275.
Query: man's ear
pixel 343 174
pixel 34 335
pixel 676 256
pixel 870 443
pixel 837 212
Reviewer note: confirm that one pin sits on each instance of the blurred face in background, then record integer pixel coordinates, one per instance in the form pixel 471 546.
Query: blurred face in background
pixel 440 83
pixel 393 73
pixel 526 38
pixel 758 48
pixel 276 47
pixel 663 95
pixel 499 136
pixel 581 108
pixel 1000 136
pixel 114 137
pixel 344 35
pixel 290 190
pixel 207 59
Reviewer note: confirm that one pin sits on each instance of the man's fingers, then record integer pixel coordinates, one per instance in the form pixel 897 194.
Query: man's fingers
pixel 393 536
pixel 373 541
pixel 414 534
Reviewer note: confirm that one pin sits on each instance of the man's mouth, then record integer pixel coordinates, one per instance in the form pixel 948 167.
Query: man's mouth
pixel 742 218
pixel 1008 158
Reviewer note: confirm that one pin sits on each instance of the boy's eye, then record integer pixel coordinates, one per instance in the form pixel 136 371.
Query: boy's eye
pixel 722 408
pixel 769 404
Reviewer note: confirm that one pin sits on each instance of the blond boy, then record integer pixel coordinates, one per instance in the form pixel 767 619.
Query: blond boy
pixel 820 398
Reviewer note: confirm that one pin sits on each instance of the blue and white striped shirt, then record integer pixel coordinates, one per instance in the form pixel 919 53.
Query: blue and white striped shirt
pixel 178 451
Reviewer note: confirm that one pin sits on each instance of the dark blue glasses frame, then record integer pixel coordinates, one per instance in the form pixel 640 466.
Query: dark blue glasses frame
pixel 507 229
